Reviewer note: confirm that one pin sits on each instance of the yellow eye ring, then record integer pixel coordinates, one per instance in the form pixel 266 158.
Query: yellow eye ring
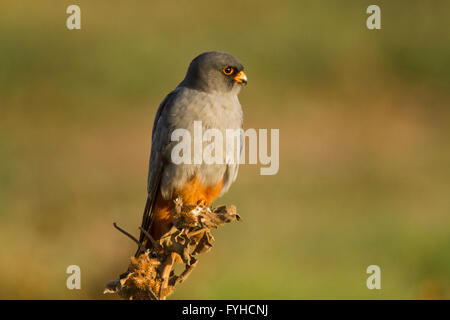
pixel 228 70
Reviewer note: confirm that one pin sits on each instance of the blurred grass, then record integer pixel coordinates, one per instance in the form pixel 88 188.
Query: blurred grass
pixel 364 160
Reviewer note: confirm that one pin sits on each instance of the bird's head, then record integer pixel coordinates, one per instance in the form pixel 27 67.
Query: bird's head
pixel 215 72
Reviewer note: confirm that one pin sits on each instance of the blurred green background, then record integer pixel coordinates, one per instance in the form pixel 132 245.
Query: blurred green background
pixel 364 144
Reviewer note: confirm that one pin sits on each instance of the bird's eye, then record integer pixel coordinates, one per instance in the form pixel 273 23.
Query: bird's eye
pixel 228 70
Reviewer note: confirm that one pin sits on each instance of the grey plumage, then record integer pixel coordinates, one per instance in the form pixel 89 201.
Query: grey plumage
pixel 205 95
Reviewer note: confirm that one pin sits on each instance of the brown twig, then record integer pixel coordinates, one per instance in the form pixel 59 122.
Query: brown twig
pixel 148 235
pixel 151 294
pixel 186 272
pixel 129 236
pixel 150 275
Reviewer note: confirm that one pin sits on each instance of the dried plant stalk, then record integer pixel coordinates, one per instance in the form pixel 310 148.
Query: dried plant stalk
pixel 151 276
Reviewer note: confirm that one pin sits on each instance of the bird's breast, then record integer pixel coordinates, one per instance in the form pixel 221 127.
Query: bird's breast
pixel 198 113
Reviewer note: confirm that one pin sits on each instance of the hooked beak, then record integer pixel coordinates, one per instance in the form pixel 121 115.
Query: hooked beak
pixel 241 77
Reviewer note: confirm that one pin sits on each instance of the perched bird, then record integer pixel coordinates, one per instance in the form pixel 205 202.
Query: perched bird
pixel 208 94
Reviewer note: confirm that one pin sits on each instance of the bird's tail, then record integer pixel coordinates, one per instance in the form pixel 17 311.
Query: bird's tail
pixel 147 220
